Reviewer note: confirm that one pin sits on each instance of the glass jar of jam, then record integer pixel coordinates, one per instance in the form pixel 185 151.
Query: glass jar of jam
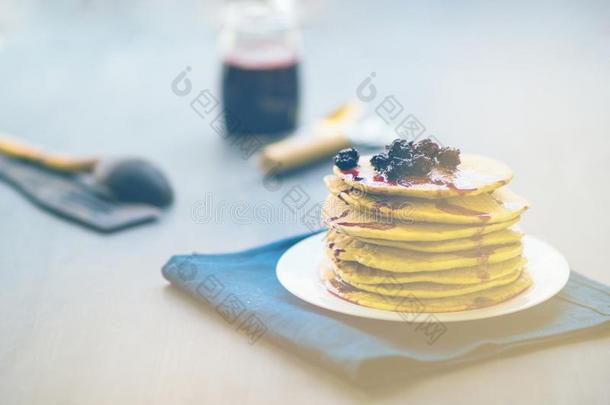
pixel 260 48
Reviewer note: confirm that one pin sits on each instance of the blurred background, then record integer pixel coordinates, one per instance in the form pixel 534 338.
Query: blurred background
pixel 524 82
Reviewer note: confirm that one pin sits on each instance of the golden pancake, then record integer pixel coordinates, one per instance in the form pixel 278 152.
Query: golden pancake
pixel 499 206
pixel 503 237
pixel 360 224
pixel 379 257
pixel 431 290
pixel 475 175
pixel 354 272
pixel 411 306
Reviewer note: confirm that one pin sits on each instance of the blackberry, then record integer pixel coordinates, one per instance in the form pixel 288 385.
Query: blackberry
pixel 427 147
pixel 347 158
pixel 380 161
pixel 400 148
pixel 398 168
pixel 449 158
pixel 391 173
pixel 422 164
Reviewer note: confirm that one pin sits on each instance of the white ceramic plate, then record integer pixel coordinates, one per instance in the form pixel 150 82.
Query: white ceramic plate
pixel 298 270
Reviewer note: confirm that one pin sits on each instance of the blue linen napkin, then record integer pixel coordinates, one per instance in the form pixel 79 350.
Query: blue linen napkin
pixel 244 290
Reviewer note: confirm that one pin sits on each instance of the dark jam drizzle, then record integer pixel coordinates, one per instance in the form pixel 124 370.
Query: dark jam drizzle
pixel 483 275
pixel 460 191
pixel 354 173
pixel 393 204
pixel 477 237
pixel 341 287
pixel 449 208
pixel 382 179
pixel 482 301
pixel 340 196
pixel 482 254
pixel 377 205
pixel 485 251
pixel 369 225
pixel 342 215
pixel 436 177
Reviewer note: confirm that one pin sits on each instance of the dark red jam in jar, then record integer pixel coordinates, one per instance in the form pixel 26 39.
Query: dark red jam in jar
pixel 260 72
pixel 263 99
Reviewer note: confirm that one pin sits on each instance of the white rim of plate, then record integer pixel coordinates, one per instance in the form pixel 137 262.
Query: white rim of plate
pixel 298 271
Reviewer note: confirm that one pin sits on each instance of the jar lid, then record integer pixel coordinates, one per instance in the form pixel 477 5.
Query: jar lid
pixel 260 17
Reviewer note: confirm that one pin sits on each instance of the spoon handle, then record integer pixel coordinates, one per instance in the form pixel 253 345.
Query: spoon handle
pixel 18 149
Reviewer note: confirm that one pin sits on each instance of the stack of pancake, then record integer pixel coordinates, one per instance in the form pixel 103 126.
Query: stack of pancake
pixel 448 240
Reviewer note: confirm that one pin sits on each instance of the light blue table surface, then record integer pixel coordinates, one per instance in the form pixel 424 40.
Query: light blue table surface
pixel 88 319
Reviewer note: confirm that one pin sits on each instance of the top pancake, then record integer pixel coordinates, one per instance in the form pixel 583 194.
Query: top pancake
pixel 499 206
pixel 475 175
